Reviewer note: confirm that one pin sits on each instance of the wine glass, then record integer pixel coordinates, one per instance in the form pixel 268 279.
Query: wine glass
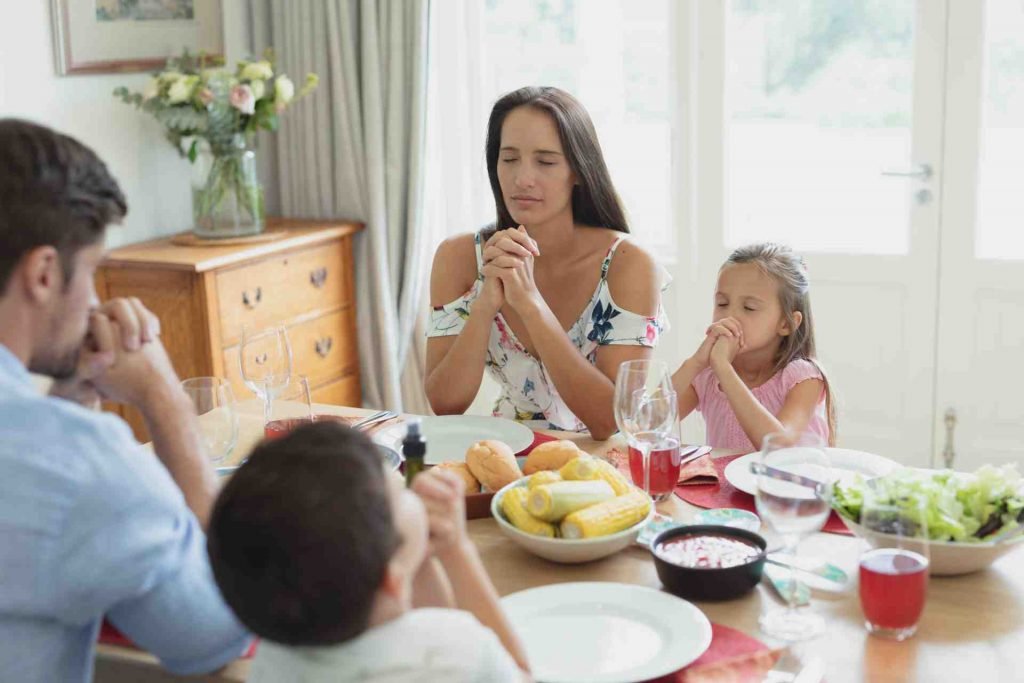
pixel 218 419
pixel 265 359
pixel 794 491
pixel 646 409
pixel 289 406
pixel 894 571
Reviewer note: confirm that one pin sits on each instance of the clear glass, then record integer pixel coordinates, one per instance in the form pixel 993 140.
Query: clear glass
pixel 646 408
pixel 894 570
pixel 227 199
pixel 1000 200
pixel 793 510
pixel 290 405
pixel 265 360
pixel 615 56
pixel 218 417
pixel 818 102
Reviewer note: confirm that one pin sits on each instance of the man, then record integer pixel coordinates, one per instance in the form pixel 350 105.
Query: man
pixel 91 524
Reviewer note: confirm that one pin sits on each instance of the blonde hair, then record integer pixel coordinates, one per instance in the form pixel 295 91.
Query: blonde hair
pixel 788 269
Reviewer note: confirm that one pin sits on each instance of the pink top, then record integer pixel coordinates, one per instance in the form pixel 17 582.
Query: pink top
pixel 724 430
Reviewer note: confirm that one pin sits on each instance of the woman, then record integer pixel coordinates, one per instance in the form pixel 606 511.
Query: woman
pixel 553 300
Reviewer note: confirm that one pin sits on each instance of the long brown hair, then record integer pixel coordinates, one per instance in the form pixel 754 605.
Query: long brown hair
pixel 594 199
pixel 790 272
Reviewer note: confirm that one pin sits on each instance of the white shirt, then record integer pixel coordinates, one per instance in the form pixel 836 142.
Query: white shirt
pixel 421 645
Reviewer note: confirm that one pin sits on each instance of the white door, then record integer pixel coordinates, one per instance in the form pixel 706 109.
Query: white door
pixel 981 321
pixel 801 106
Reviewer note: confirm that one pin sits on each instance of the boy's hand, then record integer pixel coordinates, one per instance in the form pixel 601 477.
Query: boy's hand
pixel 443 495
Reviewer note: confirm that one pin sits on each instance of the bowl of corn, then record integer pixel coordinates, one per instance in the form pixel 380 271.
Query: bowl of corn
pixel 583 512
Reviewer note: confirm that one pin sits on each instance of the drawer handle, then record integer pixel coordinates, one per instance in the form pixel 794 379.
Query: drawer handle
pixel 261 359
pixel 251 303
pixel 323 346
pixel 318 277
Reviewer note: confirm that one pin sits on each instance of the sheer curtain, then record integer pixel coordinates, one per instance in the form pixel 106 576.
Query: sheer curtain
pixel 356 150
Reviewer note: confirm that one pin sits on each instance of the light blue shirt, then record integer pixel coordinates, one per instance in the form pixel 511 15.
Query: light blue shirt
pixel 91 523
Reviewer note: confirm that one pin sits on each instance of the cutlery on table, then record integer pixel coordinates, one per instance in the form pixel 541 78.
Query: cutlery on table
pixel 692 453
pixel 380 416
pixel 780 580
pixel 783 475
pixel 826 576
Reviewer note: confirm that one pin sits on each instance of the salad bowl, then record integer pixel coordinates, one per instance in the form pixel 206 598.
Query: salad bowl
pixel 969 516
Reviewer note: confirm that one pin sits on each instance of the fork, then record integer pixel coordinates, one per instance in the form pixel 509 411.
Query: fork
pixel 379 416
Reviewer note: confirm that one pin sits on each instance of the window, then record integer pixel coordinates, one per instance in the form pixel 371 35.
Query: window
pixel 818 103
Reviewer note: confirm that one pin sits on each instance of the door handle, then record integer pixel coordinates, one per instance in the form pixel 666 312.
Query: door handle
pixel 323 346
pixel 948 452
pixel 922 172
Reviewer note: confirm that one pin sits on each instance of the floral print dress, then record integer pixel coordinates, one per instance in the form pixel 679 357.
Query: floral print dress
pixel 527 391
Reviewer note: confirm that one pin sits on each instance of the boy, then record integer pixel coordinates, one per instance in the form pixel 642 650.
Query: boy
pixel 332 561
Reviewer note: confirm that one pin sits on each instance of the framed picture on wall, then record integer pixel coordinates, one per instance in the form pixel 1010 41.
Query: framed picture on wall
pixel 113 36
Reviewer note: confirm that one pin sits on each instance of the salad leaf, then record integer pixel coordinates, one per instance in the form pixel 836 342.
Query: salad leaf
pixel 956 506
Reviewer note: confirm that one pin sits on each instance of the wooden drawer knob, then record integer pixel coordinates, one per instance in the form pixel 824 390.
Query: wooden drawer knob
pixel 323 346
pixel 252 301
pixel 317 277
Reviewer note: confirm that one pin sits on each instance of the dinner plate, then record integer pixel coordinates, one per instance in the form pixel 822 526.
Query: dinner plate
pixel 450 436
pixel 606 632
pixel 846 464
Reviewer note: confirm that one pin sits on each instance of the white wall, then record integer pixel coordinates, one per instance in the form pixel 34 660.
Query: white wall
pixel 152 175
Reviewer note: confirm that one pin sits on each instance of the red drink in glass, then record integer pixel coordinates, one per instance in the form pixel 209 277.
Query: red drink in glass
pixel 664 467
pixel 893 586
pixel 278 428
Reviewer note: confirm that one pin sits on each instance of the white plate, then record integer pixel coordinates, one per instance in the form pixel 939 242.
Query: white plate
pixel 450 436
pixel 845 462
pixel 606 632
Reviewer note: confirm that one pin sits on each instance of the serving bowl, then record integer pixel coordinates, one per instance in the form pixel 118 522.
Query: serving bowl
pixel 709 583
pixel 565 550
pixel 946 558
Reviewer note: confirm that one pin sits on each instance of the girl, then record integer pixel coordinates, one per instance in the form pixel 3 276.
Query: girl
pixel 553 301
pixel 755 372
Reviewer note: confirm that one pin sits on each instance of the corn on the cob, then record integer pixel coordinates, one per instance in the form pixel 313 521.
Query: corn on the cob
pixel 513 504
pixel 552 502
pixel 586 468
pixel 541 478
pixel 608 517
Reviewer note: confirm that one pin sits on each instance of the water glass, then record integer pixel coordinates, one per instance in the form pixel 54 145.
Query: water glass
pixel 218 418
pixel 646 411
pixel 894 571
pixel 289 406
pixel 265 360
pixel 794 498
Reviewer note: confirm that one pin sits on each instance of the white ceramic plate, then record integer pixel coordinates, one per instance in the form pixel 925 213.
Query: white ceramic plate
pixel 606 632
pixel 450 436
pixel 846 464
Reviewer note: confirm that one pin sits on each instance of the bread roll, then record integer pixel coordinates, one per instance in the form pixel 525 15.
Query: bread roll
pixel 493 463
pixel 460 468
pixel 550 456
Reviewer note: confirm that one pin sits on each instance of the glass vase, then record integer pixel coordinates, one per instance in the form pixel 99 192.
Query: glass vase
pixel 227 199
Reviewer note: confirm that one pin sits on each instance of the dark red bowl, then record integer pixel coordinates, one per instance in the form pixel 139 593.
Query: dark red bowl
pixel 709 583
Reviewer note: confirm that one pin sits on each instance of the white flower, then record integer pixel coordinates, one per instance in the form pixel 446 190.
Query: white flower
pixel 259 89
pixel 284 90
pixel 255 71
pixel 152 89
pixel 243 100
pixel 181 90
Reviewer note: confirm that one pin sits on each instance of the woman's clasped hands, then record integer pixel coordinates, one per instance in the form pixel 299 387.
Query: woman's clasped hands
pixel 508 269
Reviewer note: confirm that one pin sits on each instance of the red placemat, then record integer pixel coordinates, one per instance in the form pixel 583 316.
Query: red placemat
pixel 733 657
pixel 725 495
pixel 109 635
pixel 538 439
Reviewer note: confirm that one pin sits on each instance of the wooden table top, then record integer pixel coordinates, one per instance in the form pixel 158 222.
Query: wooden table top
pixel 972 628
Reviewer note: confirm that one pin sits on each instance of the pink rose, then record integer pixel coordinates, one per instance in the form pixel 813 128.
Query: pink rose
pixel 243 99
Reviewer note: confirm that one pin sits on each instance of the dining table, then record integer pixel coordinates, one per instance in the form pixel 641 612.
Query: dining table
pixel 972 628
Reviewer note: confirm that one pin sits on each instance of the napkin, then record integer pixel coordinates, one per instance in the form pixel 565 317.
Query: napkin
pixel 699 471
pixel 746 668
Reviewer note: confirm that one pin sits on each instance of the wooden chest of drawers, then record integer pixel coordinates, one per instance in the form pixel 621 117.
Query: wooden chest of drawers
pixel 204 295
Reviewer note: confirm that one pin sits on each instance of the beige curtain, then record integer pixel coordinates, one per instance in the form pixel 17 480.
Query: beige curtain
pixel 355 149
